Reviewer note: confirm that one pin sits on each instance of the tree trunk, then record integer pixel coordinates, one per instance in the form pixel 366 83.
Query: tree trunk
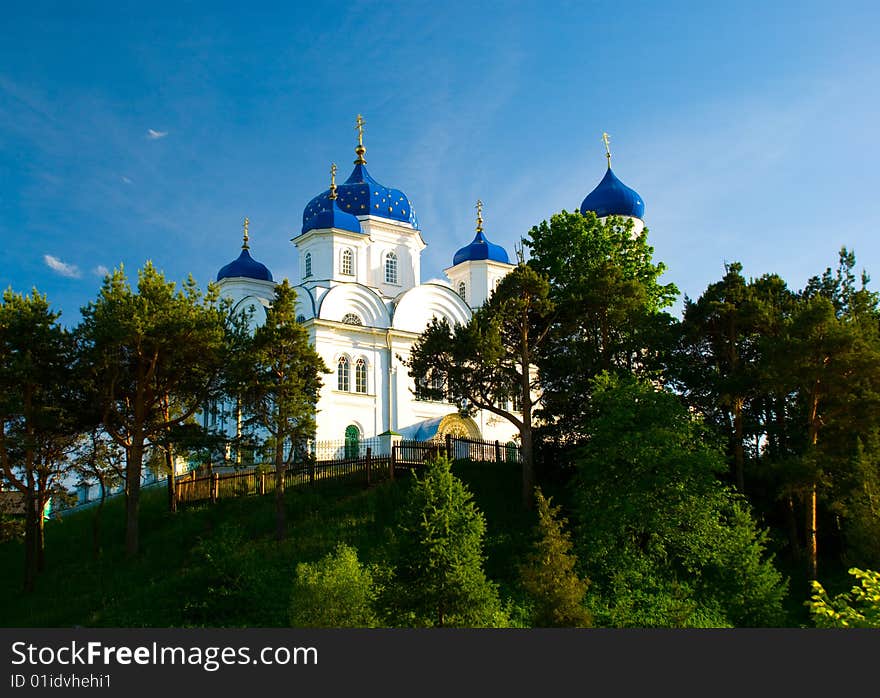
pixel 169 459
pixel 280 521
pixel 528 468
pixel 96 522
pixel 791 524
pixel 738 454
pixel 30 536
pixel 133 494
pixel 810 497
pixel 41 535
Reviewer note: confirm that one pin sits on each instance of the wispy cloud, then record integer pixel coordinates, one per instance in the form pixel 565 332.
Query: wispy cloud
pixel 154 135
pixel 71 271
pixel 126 179
pixel 100 270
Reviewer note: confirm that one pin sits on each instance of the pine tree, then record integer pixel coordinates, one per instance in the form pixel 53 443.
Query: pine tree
pixel 440 579
pixel 549 574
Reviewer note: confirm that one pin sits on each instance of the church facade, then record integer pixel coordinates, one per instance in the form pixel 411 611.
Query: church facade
pixel 362 301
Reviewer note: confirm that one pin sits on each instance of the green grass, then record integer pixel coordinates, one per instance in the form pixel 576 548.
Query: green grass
pixel 220 565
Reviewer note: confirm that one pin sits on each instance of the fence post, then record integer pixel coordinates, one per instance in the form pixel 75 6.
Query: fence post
pixel 369 453
pixel 215 487
pixel 262 483
pixel 497 451
pixel 392 461
pixel 449 446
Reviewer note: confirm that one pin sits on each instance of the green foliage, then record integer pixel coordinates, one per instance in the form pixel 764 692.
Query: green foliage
pixel 664 542
pixel 549 573
pixel 335 592
pixel 609 302
pixel 859 608
pixel 151 359
pixel 489 362
pixel 440 579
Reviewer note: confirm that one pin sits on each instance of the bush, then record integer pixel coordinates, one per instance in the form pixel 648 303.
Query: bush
pixel 859 608
pixel 335 592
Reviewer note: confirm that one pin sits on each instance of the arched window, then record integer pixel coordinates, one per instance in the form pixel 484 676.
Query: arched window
pixel 462 291
pixel 352 319
pixel 300 319
pixel 308 265
pixel 360 376
pixel 346 266
pixel 352 441
pixel 342 370
pixel 391 268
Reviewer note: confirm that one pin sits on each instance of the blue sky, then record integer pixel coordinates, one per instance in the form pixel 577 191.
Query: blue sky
pixel 148 131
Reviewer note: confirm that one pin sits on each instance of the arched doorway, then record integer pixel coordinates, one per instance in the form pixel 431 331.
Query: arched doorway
pixel 457 426
pixel 352 441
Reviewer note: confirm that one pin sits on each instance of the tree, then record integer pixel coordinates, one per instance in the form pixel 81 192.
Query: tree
pixel 439 579
pixel 154 357
pixel 860 608
pixel 335 592
pixel 829 358
pixel 608 299
pixel 281 381
pixel 662 539
pixel 549 573
pixel 99 459
pixel 719 332
pixel 489 363
pixel 37 428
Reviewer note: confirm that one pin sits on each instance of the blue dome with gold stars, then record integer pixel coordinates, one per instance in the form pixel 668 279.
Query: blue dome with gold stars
pixel 333 217
pixel 361 195
pixel 245 266
pixel 613 198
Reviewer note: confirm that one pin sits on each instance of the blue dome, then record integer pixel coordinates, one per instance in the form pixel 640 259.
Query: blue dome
pixel 333 217
pixel 361 195
pixel 613 198
pixel 245 266
pixel 481 248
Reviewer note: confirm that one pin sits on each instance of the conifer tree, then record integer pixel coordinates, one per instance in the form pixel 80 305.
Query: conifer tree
pixel 549 574
pixel 439 581
pixel 281 379
pixel 154 356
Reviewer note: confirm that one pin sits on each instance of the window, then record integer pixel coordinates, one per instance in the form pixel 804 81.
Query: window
pixel 462 291
pixel 360 376
pixel 300 319
pixel 391 268
pixel 342 380
pixel 352 441
pixel 347 264
pixel 308 265
pixel 516 402
pixel 351 319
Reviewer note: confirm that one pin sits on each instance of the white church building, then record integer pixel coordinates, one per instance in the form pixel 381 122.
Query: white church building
pixel 362 300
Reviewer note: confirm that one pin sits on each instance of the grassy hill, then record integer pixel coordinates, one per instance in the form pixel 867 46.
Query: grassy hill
pixel 219 565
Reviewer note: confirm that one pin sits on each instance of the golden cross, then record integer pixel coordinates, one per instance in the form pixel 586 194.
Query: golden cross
pixel 244 245
pixel 333 180
pixel 605 140
pixel 360 150
pixel 479 216
pixel 360 129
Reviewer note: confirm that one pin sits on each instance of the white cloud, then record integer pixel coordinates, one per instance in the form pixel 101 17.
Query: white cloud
pixel 153 135
pixel 71 271
pixel 126 179
pixel 100 270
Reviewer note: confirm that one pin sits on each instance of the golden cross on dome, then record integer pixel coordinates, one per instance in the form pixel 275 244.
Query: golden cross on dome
pixel 360 150
pixel 245 245
pixel 605 140
pixel 479 216
pixel 332 181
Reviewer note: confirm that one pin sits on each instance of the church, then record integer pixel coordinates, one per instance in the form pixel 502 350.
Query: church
pixel 362 301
